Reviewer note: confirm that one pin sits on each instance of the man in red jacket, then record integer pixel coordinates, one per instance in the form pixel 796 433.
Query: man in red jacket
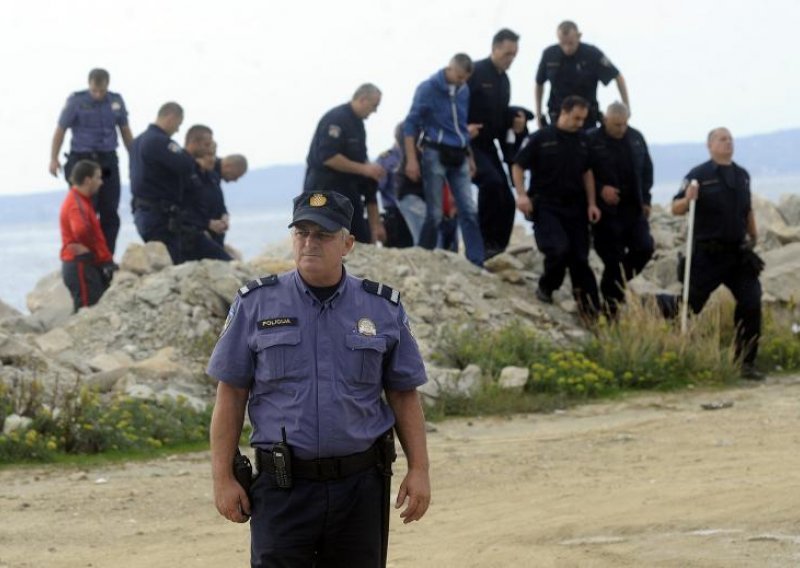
pixel 87 264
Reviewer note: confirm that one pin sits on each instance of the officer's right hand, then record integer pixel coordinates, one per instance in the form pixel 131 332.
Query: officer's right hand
pixel 374 171
pixel 474 129
pixel 610 194
pixel 525 205
pixel 54 168
pixel 412 170
pixel 542 120
pixel 231 500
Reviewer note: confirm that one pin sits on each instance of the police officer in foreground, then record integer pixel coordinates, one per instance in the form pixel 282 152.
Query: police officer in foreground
pixel 161 179
pixel 94 115
pixel 337 161
pixel 724 236
pixel 574 68
pixel 561 203
pixel 491 120
pixel 623 172
pixel 310 353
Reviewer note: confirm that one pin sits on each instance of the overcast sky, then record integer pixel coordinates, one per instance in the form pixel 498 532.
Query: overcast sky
pixel 262 73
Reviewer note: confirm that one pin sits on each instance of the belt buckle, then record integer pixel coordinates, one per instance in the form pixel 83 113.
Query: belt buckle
pixel 328 469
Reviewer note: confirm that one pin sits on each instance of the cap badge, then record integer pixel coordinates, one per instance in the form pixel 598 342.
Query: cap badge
pixel 317 200
pixel 367 327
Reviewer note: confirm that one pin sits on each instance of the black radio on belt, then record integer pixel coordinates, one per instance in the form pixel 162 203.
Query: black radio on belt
pixel 282 461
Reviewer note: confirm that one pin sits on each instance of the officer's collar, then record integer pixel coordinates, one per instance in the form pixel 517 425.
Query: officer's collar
pixel 308 295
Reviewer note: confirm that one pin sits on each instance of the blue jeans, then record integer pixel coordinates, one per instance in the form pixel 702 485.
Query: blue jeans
pixel 413 209
pixel 434 175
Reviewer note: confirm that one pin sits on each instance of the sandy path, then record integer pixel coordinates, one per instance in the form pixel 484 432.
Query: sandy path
pixel 652 480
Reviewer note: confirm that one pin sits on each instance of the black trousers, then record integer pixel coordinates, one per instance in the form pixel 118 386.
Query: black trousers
pixel 84 281
pixel 562 236
pixel 197 245
pixel 106 202
pixel 319 524
pixel 712 269
pixel 496 204
pixel 623 242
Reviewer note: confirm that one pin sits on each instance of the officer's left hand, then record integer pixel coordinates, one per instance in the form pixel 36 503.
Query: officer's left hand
pixel 473 169
pixel 610 194
pixel 378 233
pixel 646 209
pixel 594 214
pixel 416 491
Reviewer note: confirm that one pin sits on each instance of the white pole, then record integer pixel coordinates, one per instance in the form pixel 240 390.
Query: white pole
pixel 688 269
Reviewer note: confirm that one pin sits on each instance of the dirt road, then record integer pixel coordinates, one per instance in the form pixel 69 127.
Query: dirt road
pixel 651 480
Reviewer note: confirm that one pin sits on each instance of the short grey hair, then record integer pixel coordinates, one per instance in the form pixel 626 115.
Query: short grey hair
pixel 366 90
pixel 619 109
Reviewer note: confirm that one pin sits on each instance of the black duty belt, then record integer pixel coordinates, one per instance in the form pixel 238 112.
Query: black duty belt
pixel 148 205
pixel 323 469
pixel 718 246
pixel 92 155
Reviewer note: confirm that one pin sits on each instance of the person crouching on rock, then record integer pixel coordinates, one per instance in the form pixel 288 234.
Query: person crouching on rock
pixel 87 264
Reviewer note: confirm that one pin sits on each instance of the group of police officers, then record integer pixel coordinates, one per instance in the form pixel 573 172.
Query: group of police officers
pixel 326 362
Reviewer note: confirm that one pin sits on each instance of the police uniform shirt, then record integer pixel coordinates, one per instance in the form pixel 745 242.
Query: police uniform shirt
pixel 489 92
pixel 207 202
pixel 317 368
pixel 723 202
pixel 161 170
pixel 93 123
pixel 622 163
pixel 340 131
pixel 557 160
pixel 576 74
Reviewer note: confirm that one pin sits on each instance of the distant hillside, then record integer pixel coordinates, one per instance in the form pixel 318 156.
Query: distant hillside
pixel 763 155
pixel 770 155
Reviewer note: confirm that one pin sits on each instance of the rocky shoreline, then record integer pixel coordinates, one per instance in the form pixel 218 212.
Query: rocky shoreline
pixel 150 335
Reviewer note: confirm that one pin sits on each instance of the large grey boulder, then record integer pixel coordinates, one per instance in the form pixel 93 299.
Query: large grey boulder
pixel 781 277
pixel 50 302
pixel 789 206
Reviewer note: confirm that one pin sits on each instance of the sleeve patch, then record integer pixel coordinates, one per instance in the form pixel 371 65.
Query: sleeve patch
pixel 334 131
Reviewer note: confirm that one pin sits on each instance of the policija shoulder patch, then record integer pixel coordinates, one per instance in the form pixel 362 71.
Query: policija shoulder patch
pixel 276 322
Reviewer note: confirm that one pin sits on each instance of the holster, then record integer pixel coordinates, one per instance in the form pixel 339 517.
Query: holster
pixel 243 471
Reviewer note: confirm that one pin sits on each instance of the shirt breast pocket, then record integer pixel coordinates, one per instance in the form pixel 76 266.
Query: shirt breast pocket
pixel 90 117
pixel 367 358
pixel 278 356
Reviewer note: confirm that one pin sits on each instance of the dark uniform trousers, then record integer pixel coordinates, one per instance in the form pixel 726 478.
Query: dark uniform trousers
pixel 710 269
pixel 84 281
pixel 496 204
pixel 340 519
pixel 623 241
pixel 562 236
pixel 106 201
pixel 197 245
pixel 154 225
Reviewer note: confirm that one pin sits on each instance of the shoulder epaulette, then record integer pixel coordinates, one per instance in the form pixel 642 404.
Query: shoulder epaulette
pixel 270 280
pixel 381 290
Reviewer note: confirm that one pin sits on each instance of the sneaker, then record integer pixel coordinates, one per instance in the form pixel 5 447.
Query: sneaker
pixel 543 296
pixel 750 373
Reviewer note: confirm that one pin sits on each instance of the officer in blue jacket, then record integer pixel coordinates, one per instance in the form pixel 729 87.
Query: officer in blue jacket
pixel 310 354
pixel 162 177
pixel 94 115
pixel 724 235
pixel 574 68
pixel 561 203
pixel 623 173
pixel 337 161
pixel 438 117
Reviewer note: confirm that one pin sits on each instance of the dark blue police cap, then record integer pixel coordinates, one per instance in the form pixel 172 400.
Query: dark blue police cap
pixel 328 209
